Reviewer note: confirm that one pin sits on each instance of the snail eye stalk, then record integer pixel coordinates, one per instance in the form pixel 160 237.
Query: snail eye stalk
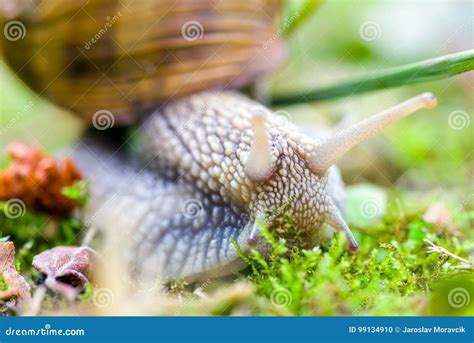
pixel 328 152
pixel 259 164
pixel 334 219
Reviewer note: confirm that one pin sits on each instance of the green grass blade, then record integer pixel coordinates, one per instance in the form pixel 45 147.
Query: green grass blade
pixel 427 70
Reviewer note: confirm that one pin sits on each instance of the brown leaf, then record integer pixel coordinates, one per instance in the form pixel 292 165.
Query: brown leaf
pixel 65 268
pixel 18 289
pixel 38 179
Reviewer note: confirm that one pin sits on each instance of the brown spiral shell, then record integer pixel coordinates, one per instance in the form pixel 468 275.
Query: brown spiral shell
pixel 126 56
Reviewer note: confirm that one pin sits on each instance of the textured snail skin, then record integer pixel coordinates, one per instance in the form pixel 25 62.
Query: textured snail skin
pixel 189 196
pixel 163 227
pixel 206 140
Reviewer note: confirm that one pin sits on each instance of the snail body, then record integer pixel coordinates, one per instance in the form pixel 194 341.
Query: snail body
pixel 213 167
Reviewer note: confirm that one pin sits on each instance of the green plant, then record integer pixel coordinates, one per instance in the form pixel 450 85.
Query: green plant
pixel 388 275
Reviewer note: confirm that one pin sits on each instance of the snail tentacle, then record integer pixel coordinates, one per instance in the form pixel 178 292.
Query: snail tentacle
pixel 259 164
pixel 334 219
pixel 329 151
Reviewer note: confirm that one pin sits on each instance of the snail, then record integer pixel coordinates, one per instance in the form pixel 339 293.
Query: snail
pixel 213 167
pixel 209 166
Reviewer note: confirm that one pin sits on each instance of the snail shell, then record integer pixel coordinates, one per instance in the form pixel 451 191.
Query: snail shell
pixel 128 56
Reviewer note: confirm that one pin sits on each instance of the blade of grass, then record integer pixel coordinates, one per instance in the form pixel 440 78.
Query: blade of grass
pixel 427 70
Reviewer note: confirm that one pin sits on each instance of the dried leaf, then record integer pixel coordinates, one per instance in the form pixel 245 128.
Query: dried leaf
pixel 65 268
pixel 18 290
pixel 38 180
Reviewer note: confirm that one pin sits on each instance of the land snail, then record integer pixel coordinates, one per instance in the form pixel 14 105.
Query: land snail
pixel 214 166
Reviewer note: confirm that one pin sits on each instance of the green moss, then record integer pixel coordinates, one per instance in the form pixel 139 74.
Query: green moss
pixel 390 275
pixel 78 192
pixel 33 232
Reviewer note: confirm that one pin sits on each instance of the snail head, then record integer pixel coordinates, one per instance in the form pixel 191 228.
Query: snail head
pixel 291 172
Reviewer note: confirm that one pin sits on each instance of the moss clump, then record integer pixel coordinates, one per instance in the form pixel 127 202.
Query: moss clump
pixel 34 232
pixel 392 274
